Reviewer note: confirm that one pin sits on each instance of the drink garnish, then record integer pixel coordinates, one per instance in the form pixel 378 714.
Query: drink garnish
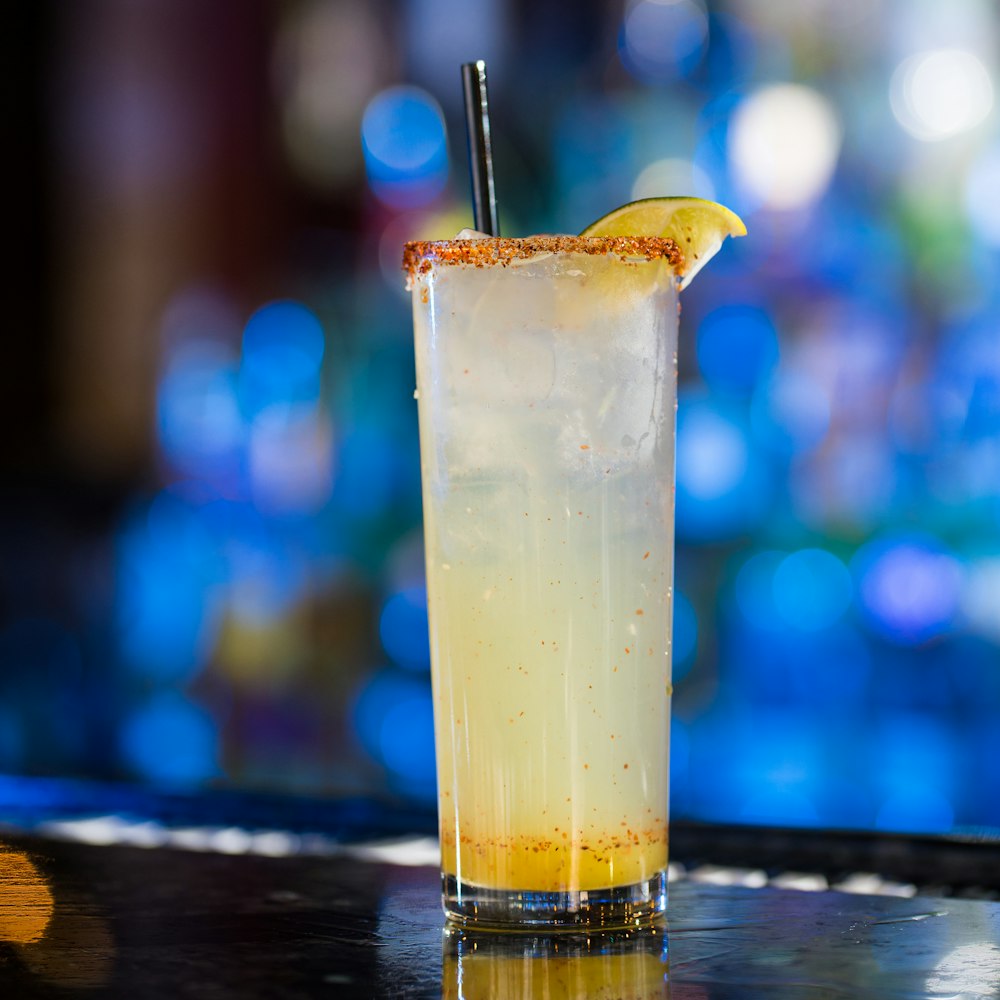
pixel 696 225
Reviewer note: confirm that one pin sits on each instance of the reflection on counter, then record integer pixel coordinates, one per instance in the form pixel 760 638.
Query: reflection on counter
pixel 64 943
pixel 25 899
pixel 972 967
pixel 625 964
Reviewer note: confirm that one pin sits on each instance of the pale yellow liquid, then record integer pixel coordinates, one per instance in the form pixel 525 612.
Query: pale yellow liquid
pixel 548 506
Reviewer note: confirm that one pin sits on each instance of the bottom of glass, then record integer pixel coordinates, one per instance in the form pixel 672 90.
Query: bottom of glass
pixel 519 909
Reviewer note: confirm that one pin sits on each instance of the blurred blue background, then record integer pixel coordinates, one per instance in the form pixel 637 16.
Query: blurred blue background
pixel 210 560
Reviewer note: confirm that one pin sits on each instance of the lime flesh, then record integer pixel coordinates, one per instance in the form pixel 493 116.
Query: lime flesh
pixel 697 226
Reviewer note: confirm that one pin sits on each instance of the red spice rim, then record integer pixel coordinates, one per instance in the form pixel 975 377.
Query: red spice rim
pixel 421 255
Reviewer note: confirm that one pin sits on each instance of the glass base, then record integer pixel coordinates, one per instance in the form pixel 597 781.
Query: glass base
pixel 590 909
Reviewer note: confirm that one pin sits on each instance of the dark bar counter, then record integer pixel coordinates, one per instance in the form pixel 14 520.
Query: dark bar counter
pixel 121 891
pixel 112 920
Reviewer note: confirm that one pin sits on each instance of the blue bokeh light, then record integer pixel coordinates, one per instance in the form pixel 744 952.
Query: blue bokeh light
pixel 165 631
pixel 684 641
pixel 680 752
pixel 199 426
pixel 663 41
pixel 770 806
pixel 283 346
pixel 170 740
pixel 737 348
pixel 406 741
pixel 754 589
pixel 392 718
pixel 812 589
pixel 914 763
pixel 290 458
pixel 266 574
pixel 909 588
pixel 592 148
pixel 915 810
pixel 852 481
pixel 368 468
pixel 732 51
pixel 405 147
pixel 791 413
pixel 828 670
pixel 167 603
pixel 965 391
pixel 760 766
pixel 403 629
pixel 722 487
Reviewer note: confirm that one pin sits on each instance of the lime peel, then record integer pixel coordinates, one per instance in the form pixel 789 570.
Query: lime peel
pixel 696 225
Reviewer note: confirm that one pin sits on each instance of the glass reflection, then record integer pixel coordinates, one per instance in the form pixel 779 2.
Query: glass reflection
pixel 629 963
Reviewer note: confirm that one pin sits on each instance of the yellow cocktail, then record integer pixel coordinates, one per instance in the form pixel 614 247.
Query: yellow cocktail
pixel 546 376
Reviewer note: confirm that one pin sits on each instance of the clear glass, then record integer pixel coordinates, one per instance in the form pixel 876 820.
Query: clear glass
pixel 547 395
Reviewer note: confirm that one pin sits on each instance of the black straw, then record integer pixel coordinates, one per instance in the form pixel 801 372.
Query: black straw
pixel 477 123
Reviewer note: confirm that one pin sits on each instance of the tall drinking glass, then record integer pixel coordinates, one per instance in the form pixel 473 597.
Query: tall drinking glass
pixel 546 378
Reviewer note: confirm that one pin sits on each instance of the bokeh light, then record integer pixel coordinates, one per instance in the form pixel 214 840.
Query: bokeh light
pixel 290 460
pixel 403 629
pixel 980 598
pixel 393 719
pixel 915 766
pixel 170 740
pixel 367 473
pixel 755 591
pixel 982 208
pixel 784 145
pixel 721 489
pixel 283 346
pixel 663 39
pixel 672 176
pixel 737 348
pixel 684 639
pixel 168 598
pixel 909 587
pixel 791 413
pixel 941 93
pixel 812 589
pixel 198 414
pixel 406 742
pixel 405 145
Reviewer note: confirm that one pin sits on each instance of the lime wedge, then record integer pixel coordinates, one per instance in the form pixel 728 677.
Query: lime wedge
pixel 697 226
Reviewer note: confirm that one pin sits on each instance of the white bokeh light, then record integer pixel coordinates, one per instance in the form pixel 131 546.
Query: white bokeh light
pixel 672 177
pixel 981 597
pixel 783 146
pixel 982 208
pixel 941 93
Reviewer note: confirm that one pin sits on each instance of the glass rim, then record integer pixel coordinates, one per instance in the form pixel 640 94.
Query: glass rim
pixel 419 256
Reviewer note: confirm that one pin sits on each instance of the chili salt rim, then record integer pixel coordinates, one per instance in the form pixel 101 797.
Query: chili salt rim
pixel 420 256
